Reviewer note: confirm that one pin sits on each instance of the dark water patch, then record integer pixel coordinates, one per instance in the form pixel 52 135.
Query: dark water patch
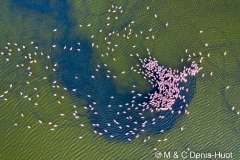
pixel 116 117
pixel 119 120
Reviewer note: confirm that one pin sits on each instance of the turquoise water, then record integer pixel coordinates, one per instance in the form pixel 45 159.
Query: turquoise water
pixel 42 120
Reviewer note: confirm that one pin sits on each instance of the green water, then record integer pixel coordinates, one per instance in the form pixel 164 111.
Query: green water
pixel 211 125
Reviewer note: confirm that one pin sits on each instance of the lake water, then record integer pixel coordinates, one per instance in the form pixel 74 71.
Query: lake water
pixel 57 101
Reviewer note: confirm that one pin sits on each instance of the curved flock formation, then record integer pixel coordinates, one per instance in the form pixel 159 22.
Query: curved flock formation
pixel 120 116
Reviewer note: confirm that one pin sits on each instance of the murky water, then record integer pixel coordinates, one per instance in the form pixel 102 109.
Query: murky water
pixel 71 87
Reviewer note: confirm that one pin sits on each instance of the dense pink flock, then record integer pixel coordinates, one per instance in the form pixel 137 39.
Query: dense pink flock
pixel 167 83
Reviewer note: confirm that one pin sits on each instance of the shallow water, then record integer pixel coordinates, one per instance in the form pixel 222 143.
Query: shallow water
pixel 212 124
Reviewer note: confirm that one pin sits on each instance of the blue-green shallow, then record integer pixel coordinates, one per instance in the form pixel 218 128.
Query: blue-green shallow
pixel 210 126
